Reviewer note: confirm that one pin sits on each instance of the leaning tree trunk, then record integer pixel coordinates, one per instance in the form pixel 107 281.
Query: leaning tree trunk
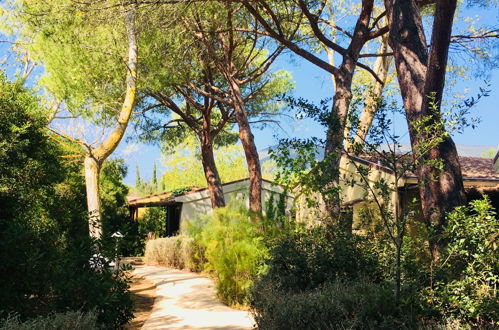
pixel 211 173
pixel 97 156
pixel 250 151
pixel 421 79
pixel 374 93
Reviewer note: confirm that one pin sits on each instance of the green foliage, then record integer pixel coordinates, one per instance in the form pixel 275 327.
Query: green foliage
pixel 154 221
pixel 329 280
pixel 339 304
pixel 138 181
pixel 113 194
pixel 44 244
pixel 306 259
pixel 234 250
pixel 82 49
pixel 276 210
pixel 154 176
pixel 135 233
pixel 184 169
pixel 490 153
pixel 56 321
pixel 468 267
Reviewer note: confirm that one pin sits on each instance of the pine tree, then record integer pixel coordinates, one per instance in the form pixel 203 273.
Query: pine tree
pixel 138 182
pixel 154 177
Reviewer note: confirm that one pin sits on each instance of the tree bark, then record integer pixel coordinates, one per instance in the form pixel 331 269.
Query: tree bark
pixel 374 94
pixel 106 148
pixel 211 172
pixel 341 103
pixel 250 151
pixel 421 79
pixel 92 173
pixel 334 143
pixel 342 78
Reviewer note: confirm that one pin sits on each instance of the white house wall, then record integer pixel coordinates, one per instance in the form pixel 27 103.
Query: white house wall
pixel 199 203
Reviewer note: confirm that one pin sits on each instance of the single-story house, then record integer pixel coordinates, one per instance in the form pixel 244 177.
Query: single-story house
pixel 188 203
pixel 480 176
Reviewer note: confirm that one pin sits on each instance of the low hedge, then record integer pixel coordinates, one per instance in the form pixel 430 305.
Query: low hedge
pixel 178 252
pixel 358 304
pixel 69 320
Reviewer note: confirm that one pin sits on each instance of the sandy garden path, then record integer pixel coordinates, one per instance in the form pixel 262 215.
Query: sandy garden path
pixel 186 300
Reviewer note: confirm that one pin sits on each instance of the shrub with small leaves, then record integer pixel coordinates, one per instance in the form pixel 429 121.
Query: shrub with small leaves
pixel 69 320
pixel 468 274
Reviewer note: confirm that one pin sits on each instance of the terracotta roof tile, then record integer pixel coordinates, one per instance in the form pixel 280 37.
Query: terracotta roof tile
pixel 472 168
pixel 478 168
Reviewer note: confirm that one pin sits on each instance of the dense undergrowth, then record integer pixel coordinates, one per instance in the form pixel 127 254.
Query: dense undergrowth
pixel 294 277
pixel 44 243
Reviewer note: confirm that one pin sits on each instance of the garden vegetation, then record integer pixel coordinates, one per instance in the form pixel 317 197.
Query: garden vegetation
pixel 44 243
pixel 202 74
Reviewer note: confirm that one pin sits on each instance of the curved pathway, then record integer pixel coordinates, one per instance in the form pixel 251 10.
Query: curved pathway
pixel 186 300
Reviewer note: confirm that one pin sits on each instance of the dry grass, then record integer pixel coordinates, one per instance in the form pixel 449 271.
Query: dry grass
pixel 176 252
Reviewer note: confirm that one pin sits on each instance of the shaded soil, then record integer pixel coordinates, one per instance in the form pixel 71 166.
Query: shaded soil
pixel 144 292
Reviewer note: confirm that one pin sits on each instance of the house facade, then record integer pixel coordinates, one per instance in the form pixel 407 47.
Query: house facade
pixel 480 177
pixel 187 204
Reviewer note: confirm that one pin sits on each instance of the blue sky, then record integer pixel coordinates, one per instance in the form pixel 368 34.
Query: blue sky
pixel 315 84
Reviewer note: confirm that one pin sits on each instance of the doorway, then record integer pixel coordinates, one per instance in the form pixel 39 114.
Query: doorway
pixel 173 212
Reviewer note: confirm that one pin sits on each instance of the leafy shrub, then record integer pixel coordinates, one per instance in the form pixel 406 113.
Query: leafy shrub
pixel 176 252
pixel 316 279
pixel 44 243
pixel 56 321
pixel 233 249
pixel 115 214
pixel 154 221
pixel 469 267
pixel 306 259
pixel 339 304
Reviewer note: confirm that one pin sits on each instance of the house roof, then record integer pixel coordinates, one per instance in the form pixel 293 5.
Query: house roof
pixel 168 197
pixel 478 168
pixel 472 168
pixel 161 198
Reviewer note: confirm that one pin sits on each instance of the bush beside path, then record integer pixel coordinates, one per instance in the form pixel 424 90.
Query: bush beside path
pixel 186 300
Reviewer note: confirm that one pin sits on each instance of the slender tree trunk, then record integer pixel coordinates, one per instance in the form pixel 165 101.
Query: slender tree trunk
pixel 92 173
pixel 398 259
pixel 421 79
pixel 211 173
pixel 334 140
pixel 374 94
pixel 341 102
pixel 106 148
pixel 250 151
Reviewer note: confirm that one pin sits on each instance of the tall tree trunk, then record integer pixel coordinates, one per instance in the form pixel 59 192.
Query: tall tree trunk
pixel 250 151
pixel 334 143
pixel 106 148
pixel 335 137
pixel 92 173
pixel 374 93
pixel 421 79
pixel 341 102
pixel 211 172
